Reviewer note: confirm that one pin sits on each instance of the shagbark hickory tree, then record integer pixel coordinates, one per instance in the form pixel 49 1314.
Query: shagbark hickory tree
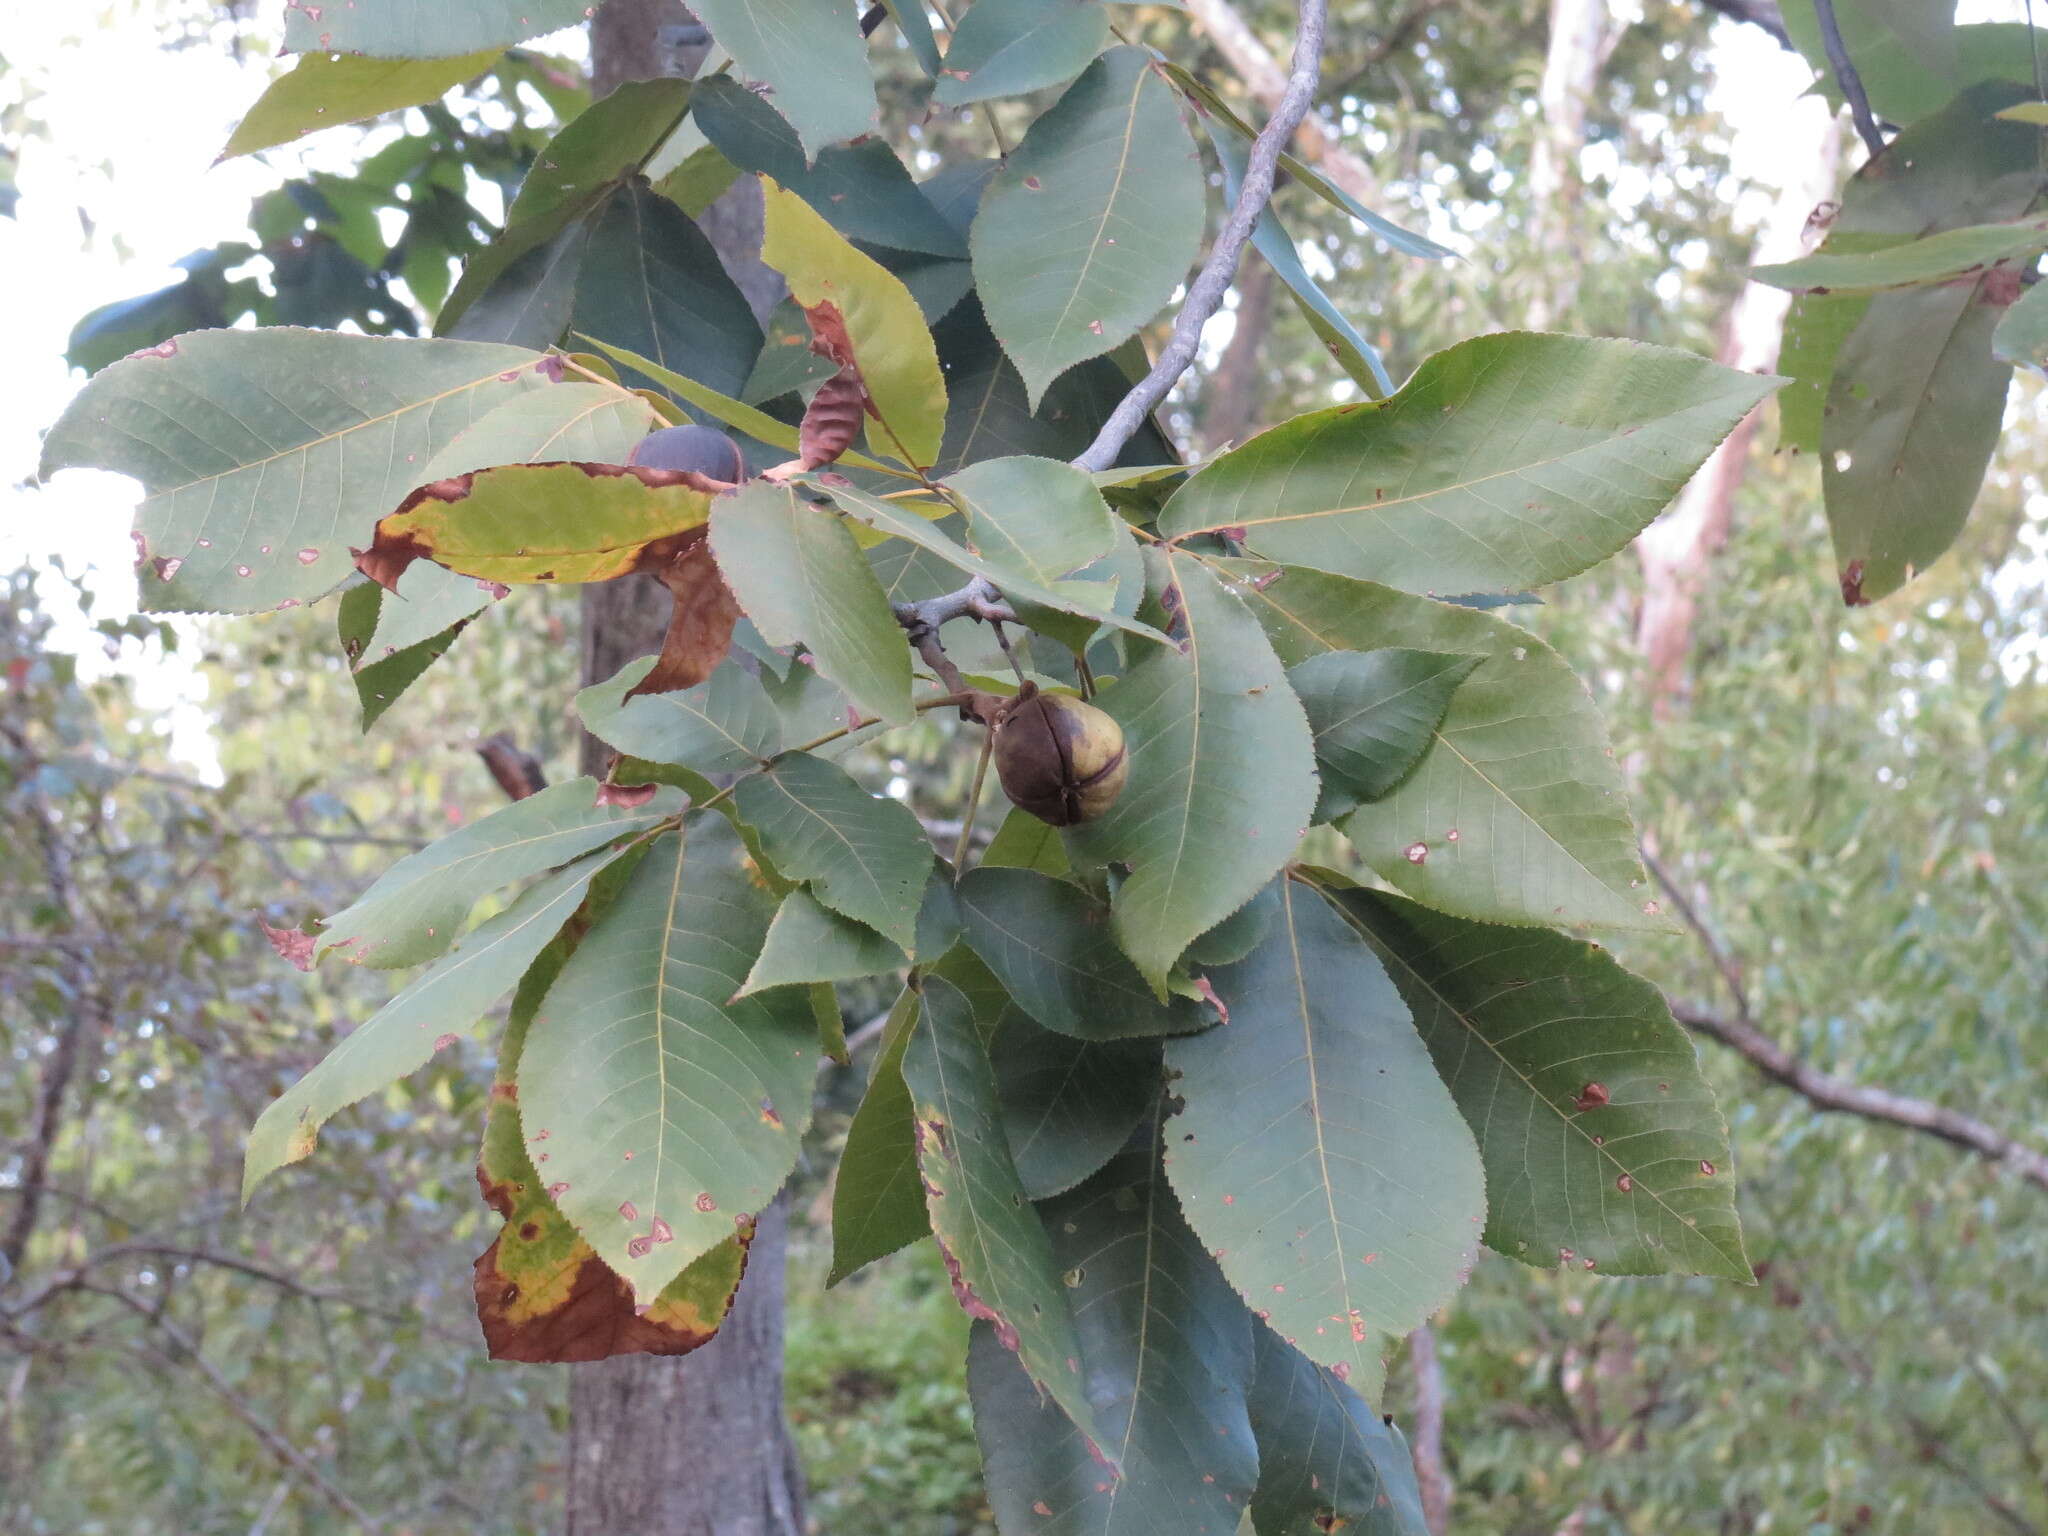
pixel 1272 999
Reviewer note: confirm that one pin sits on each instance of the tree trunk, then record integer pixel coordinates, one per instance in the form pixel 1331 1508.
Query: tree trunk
pixel 696 1445
pixel 1676 551
pixel 692 1446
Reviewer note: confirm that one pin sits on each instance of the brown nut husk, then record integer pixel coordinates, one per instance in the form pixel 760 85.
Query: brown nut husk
pixel 1059 759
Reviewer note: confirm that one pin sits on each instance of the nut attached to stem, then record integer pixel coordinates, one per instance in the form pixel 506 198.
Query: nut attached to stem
pixel 1059 759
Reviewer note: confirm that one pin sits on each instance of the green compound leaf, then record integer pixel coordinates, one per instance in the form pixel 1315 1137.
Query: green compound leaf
pixel 1216 740
pixel 1602 1144
pixel 416 908
pixel 1083 236
pixel 1517 813
pixel 430 1014
pixel 265 456
pixel 1506 462
pixel 661 1110
pixel 1317 1152
pixel 1167 1348
pixel 1052 948
pixel 725 724
pixel 864 855
pixel 801 578
pixel 994 1245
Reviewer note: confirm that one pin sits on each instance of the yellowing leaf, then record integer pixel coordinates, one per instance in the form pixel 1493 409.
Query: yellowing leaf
pixel 543 522
pixel 884 327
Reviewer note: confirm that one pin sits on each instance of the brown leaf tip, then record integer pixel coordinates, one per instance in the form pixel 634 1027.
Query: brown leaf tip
pixel 625 796
pixel 293 945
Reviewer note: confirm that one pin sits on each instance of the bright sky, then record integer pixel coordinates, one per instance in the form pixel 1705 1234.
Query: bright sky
pixel 121 183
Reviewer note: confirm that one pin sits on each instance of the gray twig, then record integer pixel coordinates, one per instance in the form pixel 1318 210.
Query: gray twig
pixel 1847 78
pixel 1205 294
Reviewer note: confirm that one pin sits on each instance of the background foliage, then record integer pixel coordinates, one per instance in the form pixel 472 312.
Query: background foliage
pixel 1854 800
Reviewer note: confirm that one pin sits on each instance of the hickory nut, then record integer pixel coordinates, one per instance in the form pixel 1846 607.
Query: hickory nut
pixel 1059 759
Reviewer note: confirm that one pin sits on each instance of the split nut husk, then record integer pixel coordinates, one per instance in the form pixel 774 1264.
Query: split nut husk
pixel 1059 759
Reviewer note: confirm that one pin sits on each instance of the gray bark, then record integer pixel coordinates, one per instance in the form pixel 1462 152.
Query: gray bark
pixel 696 1445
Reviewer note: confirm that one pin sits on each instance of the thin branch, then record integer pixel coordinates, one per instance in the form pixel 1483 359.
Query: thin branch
pixel 1833 1093
pixel 1426 1445
pixel 1205 294
pixel 287 1455
pixel 1847 78
pixel 1758 13
pixel 1746 1038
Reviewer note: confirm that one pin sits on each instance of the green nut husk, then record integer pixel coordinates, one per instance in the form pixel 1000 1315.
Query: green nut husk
pixel 1059 759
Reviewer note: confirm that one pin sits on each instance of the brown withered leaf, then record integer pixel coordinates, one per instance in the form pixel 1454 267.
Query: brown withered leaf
pixel 833 419
pixel 829 337
pixel 565 521
pixel 700 625
pixel 544 1297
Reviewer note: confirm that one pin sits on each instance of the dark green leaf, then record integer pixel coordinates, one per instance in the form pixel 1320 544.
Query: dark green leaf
pixel 1327 1462
pixel 574 174
pixel 810 942
pixel 1602 1144
pixel 877 1196
pixel 1912 417
pixel 1069 1105
pixel 994 1244
pixel 811 56
pixel 1009 47
pixel 660 1109
pixel 1167 1349
pixel 861 190
pixel 864 855
pixel 1507 461
pixel 1318 1154
pixel 1084 235
pixel 1053 948
pixel 988 414
pixel 1374 713
pixel 652 283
